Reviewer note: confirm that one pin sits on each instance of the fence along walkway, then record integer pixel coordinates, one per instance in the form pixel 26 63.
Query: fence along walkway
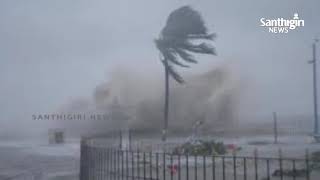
pixel 112 163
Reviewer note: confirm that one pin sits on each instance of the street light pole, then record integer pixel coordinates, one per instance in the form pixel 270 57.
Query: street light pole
pixel 315 100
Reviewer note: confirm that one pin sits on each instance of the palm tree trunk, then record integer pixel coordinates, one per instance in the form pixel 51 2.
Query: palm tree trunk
pixel 166 103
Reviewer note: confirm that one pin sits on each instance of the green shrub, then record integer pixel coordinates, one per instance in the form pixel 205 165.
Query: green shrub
pixel 201 148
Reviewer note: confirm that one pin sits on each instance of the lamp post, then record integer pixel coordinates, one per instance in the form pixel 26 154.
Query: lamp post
pixel 315 100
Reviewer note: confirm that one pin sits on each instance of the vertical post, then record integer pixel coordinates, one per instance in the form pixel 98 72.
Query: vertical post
pixel 268 169
pixel 122 164
pixel 132 164
pixel 157 166
pixel 280 164
pixel 275 127
pixel 108 164
pixel 92 161
pixel 307 165
pixel 113 162
pixel 204 168
pixel 245 168
pixel 138 164
pixel 127 165
pixel 223 168
pixel 120 139
pixel 187 166
pixel 315 100
pixel 256 163
pixel 234 165
pixel 294 169
pixel 150 167
pixel 83 159
pixel 213 168
pixel 104 159
pixel 179 166
pixel 130 139
pixel 166 103
pixel 171 167
pixel 195 167
pixel 164 165
pixel 144 166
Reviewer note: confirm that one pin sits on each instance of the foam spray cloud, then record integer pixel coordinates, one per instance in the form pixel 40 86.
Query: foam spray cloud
pixel 210 98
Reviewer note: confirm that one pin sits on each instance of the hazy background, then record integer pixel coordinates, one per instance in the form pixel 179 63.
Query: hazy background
pixel 52 52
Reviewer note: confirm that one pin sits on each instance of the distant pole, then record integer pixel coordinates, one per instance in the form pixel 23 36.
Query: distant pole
pixel 275 127
pixel 315 100
pixel 130 139
pixel 120 139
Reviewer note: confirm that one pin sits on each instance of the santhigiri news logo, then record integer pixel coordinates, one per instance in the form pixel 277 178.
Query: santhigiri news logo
pixel 281 25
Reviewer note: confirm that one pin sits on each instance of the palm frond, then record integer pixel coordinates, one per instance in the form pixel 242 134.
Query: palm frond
pixel 171 56
pixel 203 48
pixel 211 36
pixel 185 56
pixel 175 75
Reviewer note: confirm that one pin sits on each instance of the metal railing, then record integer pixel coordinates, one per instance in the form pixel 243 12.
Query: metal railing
pixel 112 163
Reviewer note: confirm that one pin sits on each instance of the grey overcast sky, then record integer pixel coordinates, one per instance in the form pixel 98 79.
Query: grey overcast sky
pixel 54 51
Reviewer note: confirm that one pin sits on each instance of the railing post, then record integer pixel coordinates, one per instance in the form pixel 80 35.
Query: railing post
pixel 294 169
pixel 130 139
pixel 122 164
pixel 179 166
pixel 157 166
pixel 307 165
pixel 83 160
pixel 256 163
pixel 138 164
pixel 144 166
pixel 132 164
pixel 164 166
pixel 127 165
pixel 268 169
pixel 171 167
pixel 204 168
pixel 120 139
pixel 280 164
pixel 187 166
pixel 150 167
pixel 234 165
pixel 223 168
pixel 213 168
pixel 245 168
pixel 195 167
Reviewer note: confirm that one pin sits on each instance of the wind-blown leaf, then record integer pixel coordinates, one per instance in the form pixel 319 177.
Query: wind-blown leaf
pixel 173 73
pixel 185 56
pixel 203 36
pixel 203 48
pixel 171 56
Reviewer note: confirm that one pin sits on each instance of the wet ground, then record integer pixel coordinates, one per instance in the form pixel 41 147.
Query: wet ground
pixel 38 160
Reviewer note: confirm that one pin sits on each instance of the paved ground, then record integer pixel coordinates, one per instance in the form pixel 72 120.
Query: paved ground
pixel 38 160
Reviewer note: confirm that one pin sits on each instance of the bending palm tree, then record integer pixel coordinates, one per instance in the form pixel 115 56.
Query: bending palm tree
pixel 175 42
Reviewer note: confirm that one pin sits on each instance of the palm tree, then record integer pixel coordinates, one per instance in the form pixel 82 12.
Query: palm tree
pixel 176 41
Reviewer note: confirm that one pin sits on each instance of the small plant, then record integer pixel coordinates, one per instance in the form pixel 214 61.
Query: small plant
pixel 201 148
